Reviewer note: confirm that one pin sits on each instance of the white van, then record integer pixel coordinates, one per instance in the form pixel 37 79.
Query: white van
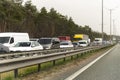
pixel 9 39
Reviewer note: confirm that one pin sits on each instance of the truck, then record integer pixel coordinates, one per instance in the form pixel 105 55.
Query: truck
pixel 83 39
pixel 78 37
pixel 9 39
pixel 64 38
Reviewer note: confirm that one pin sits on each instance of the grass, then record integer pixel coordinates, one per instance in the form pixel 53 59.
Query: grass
pixel 59 62
pixel 27 70
pixel 46 65
pixel 7 75
pixel 8 78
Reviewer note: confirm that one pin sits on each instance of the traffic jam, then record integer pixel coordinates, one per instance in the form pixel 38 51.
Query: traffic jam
pixel 18 42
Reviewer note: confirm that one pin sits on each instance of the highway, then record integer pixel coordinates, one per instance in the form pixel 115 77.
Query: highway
pixel 107 68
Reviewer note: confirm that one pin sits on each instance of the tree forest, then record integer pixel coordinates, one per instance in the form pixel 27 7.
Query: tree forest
pixel 16 17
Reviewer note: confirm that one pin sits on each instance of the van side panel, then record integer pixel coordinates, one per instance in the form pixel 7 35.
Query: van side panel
pixel 20 38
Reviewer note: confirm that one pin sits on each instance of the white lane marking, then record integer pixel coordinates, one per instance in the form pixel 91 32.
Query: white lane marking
pixel 87 66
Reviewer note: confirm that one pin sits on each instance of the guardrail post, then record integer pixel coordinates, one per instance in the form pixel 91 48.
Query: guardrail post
pixel 77 55
pixel 82 54
pixel 53 62
pixel 71 57
pixel 64 59
pixel 0 76
pixel 39 67
pixel 16 73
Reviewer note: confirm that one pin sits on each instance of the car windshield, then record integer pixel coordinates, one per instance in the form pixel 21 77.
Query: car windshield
pixel 44 41
pixel 63 43
pixel 4 39
pixel 74 43
pixel 82 42
pixel 23 44
pixel 96 40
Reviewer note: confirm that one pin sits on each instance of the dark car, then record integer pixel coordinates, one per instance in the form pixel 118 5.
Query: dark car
pixel 75 44
pixel 49 43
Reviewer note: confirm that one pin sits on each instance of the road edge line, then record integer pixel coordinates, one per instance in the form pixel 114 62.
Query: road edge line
pixel 74 75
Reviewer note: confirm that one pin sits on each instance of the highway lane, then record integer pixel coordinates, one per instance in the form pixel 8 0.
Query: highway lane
pixel 107 68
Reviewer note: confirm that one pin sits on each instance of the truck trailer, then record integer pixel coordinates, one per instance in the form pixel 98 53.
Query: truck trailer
pixel 64 38
pixel 78 37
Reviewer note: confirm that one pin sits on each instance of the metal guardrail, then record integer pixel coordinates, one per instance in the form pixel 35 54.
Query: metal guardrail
pixel 17 63
pixel 34 53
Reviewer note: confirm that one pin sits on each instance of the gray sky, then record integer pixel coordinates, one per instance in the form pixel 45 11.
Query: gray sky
pixel 86 12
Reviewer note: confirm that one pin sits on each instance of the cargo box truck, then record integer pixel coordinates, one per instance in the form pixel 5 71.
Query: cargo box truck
pixel 82 38
pixel 64 38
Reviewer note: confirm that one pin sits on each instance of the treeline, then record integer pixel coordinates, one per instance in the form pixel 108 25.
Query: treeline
pixel 15 17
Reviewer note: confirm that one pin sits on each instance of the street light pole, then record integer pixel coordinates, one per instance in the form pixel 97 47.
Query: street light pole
pixel 110 25
pixel 111 22
pixel 114 30
pixel 102 22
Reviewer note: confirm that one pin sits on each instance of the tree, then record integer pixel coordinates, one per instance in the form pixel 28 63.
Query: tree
pixel 15 17
pixel 28 25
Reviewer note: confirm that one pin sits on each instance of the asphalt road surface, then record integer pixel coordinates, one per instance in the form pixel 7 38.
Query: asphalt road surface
pixel 107 68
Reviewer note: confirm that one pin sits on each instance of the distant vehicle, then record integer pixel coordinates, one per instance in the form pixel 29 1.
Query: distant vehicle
pixel 34 39
pixel 76 44
pixel 26 46
pixel 66 44
pixel 97 41
pixel 9 39
pixel 49 43
pixel 64 38
pixel 78 37
pixel 3 49
pixel 83 43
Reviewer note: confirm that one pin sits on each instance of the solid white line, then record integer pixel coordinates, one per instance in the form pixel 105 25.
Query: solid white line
pixel 87 66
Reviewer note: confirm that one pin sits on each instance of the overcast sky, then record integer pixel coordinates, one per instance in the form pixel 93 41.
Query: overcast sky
pixel 86 12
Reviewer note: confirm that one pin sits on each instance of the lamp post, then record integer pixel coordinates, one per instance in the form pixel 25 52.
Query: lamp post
pixel 102 22
pixel 114 29
pixel 114 38
pixel 111 23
